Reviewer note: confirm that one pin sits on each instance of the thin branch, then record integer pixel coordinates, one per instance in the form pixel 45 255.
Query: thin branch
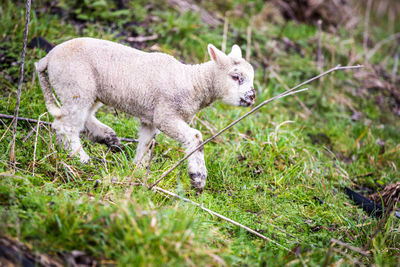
pixel 248 49
pixel 8 128
pixel 10 117
pixel 287 93
pixel 29 134
pixel 124 139
pixel 225 34
pixel 319 51
pixel 395 65
pixel 156 188
pixel 21 79
pixel 36 139
pixel 152 145
pixel 381 43
pixel 366 24
pixel 206 124
pixel 358 250
pixel 280 80
pixel 142 39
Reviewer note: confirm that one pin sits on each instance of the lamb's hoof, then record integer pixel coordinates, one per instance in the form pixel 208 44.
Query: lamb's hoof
pixel 198 180
pixel 113 143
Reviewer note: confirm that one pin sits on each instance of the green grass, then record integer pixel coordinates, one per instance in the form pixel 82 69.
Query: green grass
pixel 277 168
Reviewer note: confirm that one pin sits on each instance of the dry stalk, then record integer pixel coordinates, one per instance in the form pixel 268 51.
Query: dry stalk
pixel 280 80
pixel 206 124
pixel 21 79
pixel 355 249
pixel 8 128
pixel 366 24
pixel 34 147
pixel 6 116
pixel 225 34
pixel 10 117
pixel 152 145
pixel 248 49
pixel 29 134
pixel 395 66
pixel 287 93
pixel 319 52
pixel 381 43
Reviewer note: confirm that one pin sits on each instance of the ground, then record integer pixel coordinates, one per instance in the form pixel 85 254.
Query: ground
pixel 281 171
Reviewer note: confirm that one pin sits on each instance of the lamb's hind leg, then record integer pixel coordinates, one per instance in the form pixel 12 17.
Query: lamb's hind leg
pixel 99 132
pixel 69 125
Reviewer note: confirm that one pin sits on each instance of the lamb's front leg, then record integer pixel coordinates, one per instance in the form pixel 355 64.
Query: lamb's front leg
pixel 191 138
pixel 146 134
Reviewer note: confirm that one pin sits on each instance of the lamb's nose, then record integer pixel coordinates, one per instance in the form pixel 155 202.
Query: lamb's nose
pixel 253 94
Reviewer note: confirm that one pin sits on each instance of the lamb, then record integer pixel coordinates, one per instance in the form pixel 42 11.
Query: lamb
pixel 163 93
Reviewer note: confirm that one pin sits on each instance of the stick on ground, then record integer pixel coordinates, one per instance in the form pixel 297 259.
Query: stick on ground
pixel 21 79
pixel 358 250
pixel 10 117
pixel 287 93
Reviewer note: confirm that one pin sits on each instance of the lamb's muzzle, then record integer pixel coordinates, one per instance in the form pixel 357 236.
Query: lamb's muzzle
pixel 154 87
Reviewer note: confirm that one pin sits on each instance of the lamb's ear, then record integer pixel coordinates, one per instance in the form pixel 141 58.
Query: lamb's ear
pixel 216 55
pixel 236 52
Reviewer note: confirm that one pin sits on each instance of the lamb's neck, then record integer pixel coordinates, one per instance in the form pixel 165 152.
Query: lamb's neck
pixel 203 77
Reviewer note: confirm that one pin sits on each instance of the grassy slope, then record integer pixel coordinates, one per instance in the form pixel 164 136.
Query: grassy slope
pixel 271 170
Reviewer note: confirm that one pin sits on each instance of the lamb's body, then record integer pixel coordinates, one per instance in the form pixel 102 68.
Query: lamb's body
pixel 162 92
pixel 117 75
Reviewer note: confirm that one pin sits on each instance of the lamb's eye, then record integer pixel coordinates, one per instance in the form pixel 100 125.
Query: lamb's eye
pixel 235 77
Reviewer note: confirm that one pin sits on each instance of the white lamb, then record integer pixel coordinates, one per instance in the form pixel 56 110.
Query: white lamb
pixel 154 87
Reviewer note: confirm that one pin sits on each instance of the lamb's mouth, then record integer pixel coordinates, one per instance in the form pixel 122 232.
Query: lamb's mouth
pixel 246 102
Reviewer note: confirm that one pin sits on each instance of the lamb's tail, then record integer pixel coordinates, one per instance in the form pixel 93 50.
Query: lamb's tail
pixel 49 98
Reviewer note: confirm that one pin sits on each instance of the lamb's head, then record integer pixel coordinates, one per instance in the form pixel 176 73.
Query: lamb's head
pixel 233 77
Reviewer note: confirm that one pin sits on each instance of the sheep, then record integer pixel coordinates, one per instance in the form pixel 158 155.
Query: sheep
pixel 162 92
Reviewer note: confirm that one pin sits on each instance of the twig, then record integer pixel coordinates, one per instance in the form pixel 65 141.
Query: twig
pixel 287 93
pixel 280 80
pixel 381 43
pixel 21 79
pixel 225 34
pixel 10 117
pixel 328 254
pixel 8 128
pixel 220 216
pixel 34 147
pixel 206 124
pixel 152 145
pixel 319 51
pixel 366 24
pixel 191 6
pixel 358 250
pixel 124 139
pixel 29 134
pixel 142 39
pixel 395 66
pixel 248 49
